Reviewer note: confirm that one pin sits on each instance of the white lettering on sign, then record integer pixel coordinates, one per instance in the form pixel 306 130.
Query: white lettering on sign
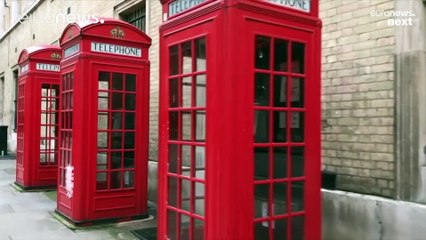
pixel 116 49
pixel 24 68
pixel 48 67
pixel 69 180
pixel 304 5
pixel 71 50
pixel 181 5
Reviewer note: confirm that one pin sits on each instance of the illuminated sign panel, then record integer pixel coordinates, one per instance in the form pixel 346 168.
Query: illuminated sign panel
pixel 304 5
pixel 181 5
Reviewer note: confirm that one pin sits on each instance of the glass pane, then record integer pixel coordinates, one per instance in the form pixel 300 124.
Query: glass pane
pixel 198 229
pixel 280 91
pixel 186 160
pixel 185 194
pixel 199 198
pixel 261 231
pixel 102 121
pixel 116 120
pixel 102 103
pixel 280 162
pixel 200 162
pixel 297 190
pixel 298 227
pixel 101 181
pixel 261 89
pixel 262 53
pixel 102 140
pixel 186 58
pixel 129 159
pixel 200 100
pixel 186 92
pixel 128 179
pixel 130 101
pixel 115 180
pixel 173 121
pixel 129 121
pixel 261 163
pixel 117 101
pixel 115 160
pixel 200 126
pixel 298 57
pixel 281 55
pixel 297 92
pixel 173 92
pixel 261 196
pixel 172 192
pixel 280 126
pixel 117 81
pixel 200 54
pixel 101 161
pixel 297 126
pixel 173 158
pixel 280 229
pixel 280 198
pixel 297 161
pixel 103 80
pixel 186 126
pixel 174 60
pixel 129 140
pixel 184 226
pixel 261 126
pixel 130 82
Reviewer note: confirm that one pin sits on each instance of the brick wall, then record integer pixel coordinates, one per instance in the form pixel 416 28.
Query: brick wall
pixel 358 95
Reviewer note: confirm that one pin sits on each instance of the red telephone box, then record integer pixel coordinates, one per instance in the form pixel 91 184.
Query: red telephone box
pixel 240 120
pixel 38 118
pixel 104 127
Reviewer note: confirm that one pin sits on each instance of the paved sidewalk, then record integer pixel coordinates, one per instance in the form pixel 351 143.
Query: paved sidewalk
pixel 25 216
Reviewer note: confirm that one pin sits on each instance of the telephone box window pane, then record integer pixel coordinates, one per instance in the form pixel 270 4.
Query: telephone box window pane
pixel 174 60
pixel 186 160
pixel 280 91
pixel 130 82
pixel 186 92
pixel 297 192
pixel 129 140
pixel 200 162
pixel 186 126
pixel 129 159
pixel 102 121
pixel 280 198
pixel 261 202
pixel 281 55
pixel 200 52
pixel 173 123
pixel 261 89
pixel 115 180
pixel 130 101
pixel 117 81
pixel 298 227
pixel 116 140
pixel 280 126
pixel 103 80
pixel 173 92
pixel 185 194
pixel 297 161
pixel 199 198
pixel 117 101
pixel 101 161
pixel 200 100
pixel 184 226
pixel 116 120
pixel 261 231
pixel 173 158
pixel 115 160
pixel 129 121
pixel 186 57
pixel 171 225
pixel 102 140
pixel 297 93
pixel 200 126
pixel 280 162
pixel 297 126
pixel 173 191
pixel 198 229
pixel 261 126
pixel 261 163
pixel 298 57
pixel 280 229
pixel 262 53
pixel 102 103
pixel 128 179
pixel 101 181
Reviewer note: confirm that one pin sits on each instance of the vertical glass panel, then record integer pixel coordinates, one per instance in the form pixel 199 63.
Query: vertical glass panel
pixel 117 101
pixel 186 91
pixel 184 226
pixel 129 121
pixel 298 227
pixel 297 193
pixel 102 121
pixel 173 123
pixel 101 161
pixel 172 225
pixel 186 126
pixel 280 229
pixel 297 161
pixel 173 92
pixel 116 140
pixel 103 80
pixel 200 99
pixel 281 55
pixel 115 160
pixel 261 89
pixel 128 179
pixel 280 162
pixel 185 194
pixel 101 181
pixel 130 82
pixel 280 126
pixel 129 140
pixel 200 126
pixel 261 126
pixel 199 198
pixel 297 126
pixel 116 120
pixel 261 163
pixel 173 158
pixel 130 101
pixel 117 81
pixel 261 231
pixel 297 92
pixel 102 103
pixel 298 57
pixel 200 162
pixel 129 159
pixel 262 53
pixel 115 180
pixel 200 54
pixel 174 60
pixel 280 198
pixel 172 191
pixel 280 91
pixel 261 196
pixel 186 57
pixel 102 140
pixel 186 160
pixel 198 229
